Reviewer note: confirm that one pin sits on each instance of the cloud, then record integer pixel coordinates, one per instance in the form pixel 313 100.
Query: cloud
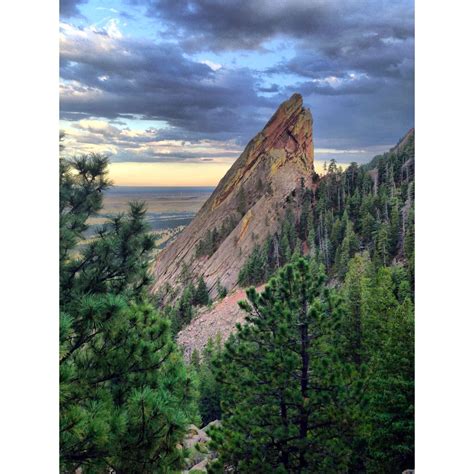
pixel 353 61
pixel 212 65
pixel 68 8
pixel 247 24
pixel 107 75
pixel 123 144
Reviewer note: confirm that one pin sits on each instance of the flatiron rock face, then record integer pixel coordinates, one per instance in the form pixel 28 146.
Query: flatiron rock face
pixel 246 206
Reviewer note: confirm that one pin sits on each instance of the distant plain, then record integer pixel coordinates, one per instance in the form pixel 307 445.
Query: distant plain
pixel 169 209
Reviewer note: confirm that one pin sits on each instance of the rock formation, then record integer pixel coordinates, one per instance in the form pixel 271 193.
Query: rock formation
pixel 245 207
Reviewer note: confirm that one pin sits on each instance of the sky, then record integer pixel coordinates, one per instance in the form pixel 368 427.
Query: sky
pixel 172 90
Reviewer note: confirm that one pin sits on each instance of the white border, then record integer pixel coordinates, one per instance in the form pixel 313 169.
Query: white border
pixel 444 237
pixel 29 237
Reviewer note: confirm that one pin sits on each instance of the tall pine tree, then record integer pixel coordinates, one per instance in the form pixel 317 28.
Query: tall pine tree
pixel 126 397
pixel 286 396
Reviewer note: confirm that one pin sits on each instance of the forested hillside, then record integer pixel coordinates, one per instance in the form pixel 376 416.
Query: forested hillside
pixel 364 208
pixel 321 376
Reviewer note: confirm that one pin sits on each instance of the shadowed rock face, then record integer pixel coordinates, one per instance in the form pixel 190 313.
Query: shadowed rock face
pixel 248 202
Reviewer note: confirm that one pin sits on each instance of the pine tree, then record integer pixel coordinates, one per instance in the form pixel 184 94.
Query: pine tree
pixel 126 397
pixel 221 290
pixel 409 242
pixel 241 201
pixel 311 234
pixel 378 330
pixel 286 398
pixel 391 397
pixel 209 389
pixel 394 226
pixel 350 245
pixel 382 244
pixel 185 312
pixel 201 295
pixel 356 285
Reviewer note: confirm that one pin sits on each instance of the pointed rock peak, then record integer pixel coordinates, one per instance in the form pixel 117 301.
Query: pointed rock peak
pixel 286 113
pixel 292 106
pixel 286 138
pixel 247 205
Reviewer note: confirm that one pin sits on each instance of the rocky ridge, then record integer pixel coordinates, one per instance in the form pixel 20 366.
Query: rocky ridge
pixel 246 206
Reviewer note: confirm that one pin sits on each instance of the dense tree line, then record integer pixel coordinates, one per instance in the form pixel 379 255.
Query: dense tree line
pixel 126 397
pixel 319 379
pixel 368 207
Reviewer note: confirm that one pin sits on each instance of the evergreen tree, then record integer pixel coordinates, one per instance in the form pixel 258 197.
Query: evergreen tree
pixel 286 400
pixel 350 245
pixel 126 397
pixel 201 295
pixel 241 201
pixel 254 269
pixel 209 389
pixel 285 249
pixel 185 311
pixel 394 226
pixel 356 284
pixel 378 329
pixel 391 397
pixel 409 242
pixel 221 290
pixel 311 234
pixel 382 244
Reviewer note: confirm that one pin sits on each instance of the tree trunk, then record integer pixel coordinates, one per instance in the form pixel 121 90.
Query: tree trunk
pixel 304 414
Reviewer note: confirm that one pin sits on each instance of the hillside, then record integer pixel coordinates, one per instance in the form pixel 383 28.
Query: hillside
pixel 367 208
pixel 247 205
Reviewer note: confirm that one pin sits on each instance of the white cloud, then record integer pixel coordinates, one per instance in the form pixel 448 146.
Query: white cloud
pixel 214 66
pixel 127 144
pixel 112 29
pixel 335 151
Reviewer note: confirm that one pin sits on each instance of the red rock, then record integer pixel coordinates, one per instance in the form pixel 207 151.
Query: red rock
pixel 268 170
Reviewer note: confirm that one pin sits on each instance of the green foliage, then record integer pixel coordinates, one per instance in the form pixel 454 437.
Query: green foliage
pixel 359 226
pixel 390 419
pixel 409 242
pixel 182 311
pixel 378 328
pixel 366 207
pixel 213 238
pixel 287 396
pixel 82 182
pixel 126 397
pixel 221 290
pixel 201 295
pixel 241 202
pixel 209 389
pixel 254 269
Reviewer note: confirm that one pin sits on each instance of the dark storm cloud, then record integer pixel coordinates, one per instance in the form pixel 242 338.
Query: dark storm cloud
pixel 114 77
pixel 391 59
pixel 247 24
pixel 68 8
pixel 269 89
pixel 352 60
